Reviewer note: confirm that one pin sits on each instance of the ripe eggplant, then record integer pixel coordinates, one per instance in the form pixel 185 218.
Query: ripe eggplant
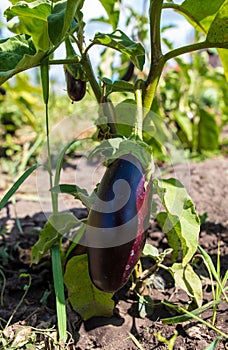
pixel 117 223
pixel 76 88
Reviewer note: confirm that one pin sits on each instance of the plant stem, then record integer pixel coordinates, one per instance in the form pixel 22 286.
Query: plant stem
pixel 151 88
pixel 139 113
pixel 157 59
pixel 55 251
pixel 155 33
pixel 53 195
pixel 157 63
pixel 26 289
pixel 91 77
pixel 191 48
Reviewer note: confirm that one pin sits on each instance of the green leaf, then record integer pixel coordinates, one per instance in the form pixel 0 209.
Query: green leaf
pixel 76 191
pixel 62 19
pixel 32 20
pixel 211 268
pixel 186 279
pixel 56 22
pixel 208 131
pixel 57 225
pixel 171 226
pixel 153 252
pixel 138 149
pixel 75 240
pixel 223 54
pixel 85 298
pixel 185 318
pixel 180 222
pixel 112 149
pixel 118 86
pixel 126 117
pixel 122 86
pixel 17 54
pixel 73 9
pixel 201 13
pixel 218 31
pixel 16 185
pixel 48 237
pixel 113 11
pixel 209 17
pixel 59 291
pixel 156 134
pixel 107 148
pixel 121 42
pixel 150 251
pixel 145 306
pixel 185 125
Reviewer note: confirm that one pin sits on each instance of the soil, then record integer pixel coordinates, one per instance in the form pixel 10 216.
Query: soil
pixel 21 222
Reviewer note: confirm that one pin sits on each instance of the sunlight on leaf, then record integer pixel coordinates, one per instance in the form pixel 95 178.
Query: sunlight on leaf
pixel 17 54
pixel 186 279
pixel 218 32
pixel 32 21
pixel 180 222
pixel 56 226
pixel 121 42
pixel 201 13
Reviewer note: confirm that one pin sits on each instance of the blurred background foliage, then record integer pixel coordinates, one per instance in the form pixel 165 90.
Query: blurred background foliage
pixel 22 119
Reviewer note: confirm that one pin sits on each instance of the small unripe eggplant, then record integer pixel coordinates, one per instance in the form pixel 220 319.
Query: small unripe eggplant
pixel 74 74
pixel 117 223
pixel 76 88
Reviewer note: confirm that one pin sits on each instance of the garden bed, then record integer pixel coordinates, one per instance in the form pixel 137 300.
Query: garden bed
pixel 209 191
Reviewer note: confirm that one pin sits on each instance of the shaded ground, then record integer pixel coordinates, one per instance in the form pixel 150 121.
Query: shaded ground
pixel 208 185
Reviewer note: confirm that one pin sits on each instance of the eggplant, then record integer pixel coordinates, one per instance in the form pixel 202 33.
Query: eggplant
pixel 129 72
pixel 117 223
pixel 76 88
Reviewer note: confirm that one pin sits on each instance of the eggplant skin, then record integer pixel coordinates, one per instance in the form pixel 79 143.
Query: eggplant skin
pixel 76 88
pixel 129 73
pixel 113 258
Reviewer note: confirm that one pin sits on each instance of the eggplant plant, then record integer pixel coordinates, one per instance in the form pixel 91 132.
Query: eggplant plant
pixel 114 235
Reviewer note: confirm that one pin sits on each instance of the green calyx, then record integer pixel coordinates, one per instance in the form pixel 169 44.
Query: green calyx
pixel 75 69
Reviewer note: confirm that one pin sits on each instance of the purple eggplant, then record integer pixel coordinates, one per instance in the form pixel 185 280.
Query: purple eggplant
pixel 117 223
pixel 76 88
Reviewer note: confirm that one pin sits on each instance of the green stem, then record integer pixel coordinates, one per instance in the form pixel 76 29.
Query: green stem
pixel 63 61
pixel 106 104
pixel 157 67
pixel 91 77
pixel 26 289
pixel 151 88
pixel 191 48
pixel 156 63
pixel 55 251
pixel 139 104
pixel 155 34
